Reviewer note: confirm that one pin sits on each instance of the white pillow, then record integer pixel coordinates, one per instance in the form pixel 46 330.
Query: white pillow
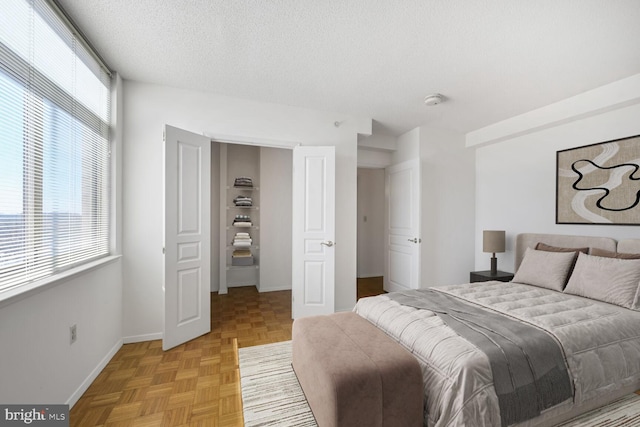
pixel 545 269
pixel 611 280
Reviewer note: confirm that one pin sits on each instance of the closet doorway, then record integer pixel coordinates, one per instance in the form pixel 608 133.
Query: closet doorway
pixel 371 223
pixel 254 221
pixel 200 230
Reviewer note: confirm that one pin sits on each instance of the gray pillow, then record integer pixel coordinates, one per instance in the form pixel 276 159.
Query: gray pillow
pixel 544 247
pixel 610 254
pixel 611 280
pixel 545 269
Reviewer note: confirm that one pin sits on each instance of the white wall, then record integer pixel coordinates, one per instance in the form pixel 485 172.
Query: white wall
pixel 378 142
pixel 38 362
pixel 408 147
pixel 448 201
pixel 371 203
pixel 147 109
pixel 275 219
pixel 516 180
pixel 373 158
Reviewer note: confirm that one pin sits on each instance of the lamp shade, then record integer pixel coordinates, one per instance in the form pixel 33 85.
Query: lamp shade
pixel 493 241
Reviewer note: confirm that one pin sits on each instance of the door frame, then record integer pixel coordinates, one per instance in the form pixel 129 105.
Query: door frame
pixel 241 140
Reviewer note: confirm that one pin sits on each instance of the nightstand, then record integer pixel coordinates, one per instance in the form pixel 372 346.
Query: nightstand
pixel 485 276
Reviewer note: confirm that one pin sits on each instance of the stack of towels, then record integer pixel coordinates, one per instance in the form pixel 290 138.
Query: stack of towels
pixel 243 181
pixel 242 221
pixel 242 257
pixel 243 201
pixel 242 240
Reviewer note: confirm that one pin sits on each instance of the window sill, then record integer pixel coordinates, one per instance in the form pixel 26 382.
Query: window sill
pixel 14 295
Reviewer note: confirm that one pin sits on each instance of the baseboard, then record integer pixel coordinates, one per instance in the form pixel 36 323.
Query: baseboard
pixel 73 399
pixel 142 338
pixel 274 289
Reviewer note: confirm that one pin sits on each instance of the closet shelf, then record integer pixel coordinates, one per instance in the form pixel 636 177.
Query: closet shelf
pixel 239 216
pixel 242 267
pixel 244 188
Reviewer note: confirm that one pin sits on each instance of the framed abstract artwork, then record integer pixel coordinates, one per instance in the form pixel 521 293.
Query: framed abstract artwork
pixel 599 183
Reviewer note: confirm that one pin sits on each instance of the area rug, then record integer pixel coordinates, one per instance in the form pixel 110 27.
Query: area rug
pixel 271 394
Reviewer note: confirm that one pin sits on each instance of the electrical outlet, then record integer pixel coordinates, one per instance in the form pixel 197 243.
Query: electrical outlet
pixel 73 333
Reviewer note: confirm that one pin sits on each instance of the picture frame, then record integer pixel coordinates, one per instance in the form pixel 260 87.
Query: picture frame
pixel 599 183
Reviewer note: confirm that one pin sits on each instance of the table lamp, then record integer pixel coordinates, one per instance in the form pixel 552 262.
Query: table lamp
pixel 493 241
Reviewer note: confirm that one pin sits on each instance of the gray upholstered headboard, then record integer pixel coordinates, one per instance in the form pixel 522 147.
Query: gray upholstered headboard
pixel 629 246
pixel 529 240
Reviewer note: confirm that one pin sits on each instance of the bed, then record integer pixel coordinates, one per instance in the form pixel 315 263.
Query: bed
pixel 596 327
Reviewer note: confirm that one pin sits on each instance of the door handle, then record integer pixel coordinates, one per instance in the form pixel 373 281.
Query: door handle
pixel 328 243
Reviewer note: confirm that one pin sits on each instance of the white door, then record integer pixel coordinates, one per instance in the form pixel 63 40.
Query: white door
pixel 187 224
pixel 403 226
pixel 313 231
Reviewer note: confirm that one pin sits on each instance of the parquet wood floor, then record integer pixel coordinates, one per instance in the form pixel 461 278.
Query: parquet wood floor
pixel 194 384
pixel 370 286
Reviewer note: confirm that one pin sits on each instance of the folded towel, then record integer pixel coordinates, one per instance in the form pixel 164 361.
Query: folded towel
pixel 241 253
pixel 242 224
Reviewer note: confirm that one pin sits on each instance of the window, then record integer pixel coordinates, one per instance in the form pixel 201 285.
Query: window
pixel 54 146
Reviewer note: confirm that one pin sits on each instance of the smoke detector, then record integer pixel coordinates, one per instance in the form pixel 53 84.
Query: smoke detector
pixel 433 99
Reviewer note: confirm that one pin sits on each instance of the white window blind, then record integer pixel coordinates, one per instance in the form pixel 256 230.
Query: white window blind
pixel 54 146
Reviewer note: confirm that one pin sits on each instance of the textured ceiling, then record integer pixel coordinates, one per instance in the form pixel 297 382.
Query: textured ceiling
pixel 492 59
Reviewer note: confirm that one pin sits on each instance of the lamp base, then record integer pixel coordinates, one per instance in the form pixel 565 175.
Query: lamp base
pixel 494 265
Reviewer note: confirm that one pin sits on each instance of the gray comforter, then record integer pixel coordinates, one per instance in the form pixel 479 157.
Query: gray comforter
pixel 527 364
pixel 601 345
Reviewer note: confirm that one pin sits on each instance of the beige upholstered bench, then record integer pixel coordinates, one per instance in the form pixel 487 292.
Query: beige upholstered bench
pixel 353 374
